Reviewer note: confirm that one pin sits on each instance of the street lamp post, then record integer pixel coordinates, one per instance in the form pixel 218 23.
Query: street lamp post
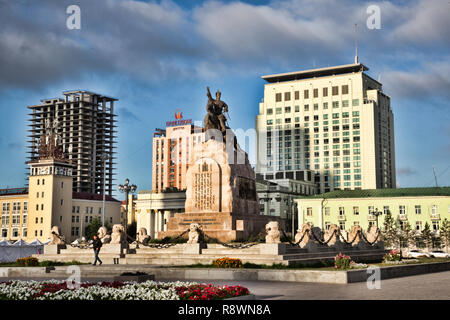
pixel 104 158
pixel 127 188
pixel 294 205
pixel 377 213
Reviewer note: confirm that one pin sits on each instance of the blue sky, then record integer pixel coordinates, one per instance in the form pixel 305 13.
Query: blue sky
pixel 157 56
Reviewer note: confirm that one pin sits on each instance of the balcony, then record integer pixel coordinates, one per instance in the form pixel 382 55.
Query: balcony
pixel 435 216
pixel 341 217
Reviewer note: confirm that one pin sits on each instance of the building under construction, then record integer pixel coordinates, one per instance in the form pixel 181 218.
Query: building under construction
pixel 85 123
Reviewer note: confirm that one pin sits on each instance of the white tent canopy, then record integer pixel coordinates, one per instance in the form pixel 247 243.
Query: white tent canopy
pixel 4 243
pixel 35 242
pixel 19 249
pixel 20 243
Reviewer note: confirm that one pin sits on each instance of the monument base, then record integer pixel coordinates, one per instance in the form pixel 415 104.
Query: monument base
pixel 53 248
pixel 224 226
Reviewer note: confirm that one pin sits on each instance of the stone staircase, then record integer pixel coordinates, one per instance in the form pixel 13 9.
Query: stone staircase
pixel 189 254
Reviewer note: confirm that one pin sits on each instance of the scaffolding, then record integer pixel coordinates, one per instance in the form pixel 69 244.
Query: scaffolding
pixel 86 124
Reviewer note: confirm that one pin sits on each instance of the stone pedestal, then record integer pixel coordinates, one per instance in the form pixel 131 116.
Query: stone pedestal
pixel 117 248
pixel 272 248
pixel 220 196
pixel 53 248
pixel 224 226
pixel 194 248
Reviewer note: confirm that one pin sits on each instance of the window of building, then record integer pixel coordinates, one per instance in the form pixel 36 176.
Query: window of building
pixel 309 211
pixel 335 90
pixel 342 225
pixel 315 93
pixel 355 210
pixel 344 103
pixel 287 96
pixel 418 209
pixel 287 109
pixel 306 94
pixel 278 97
pixel 355 102
pixel 419 225
pixel 434 209
pixel 402 210
pixel 327 211
pixel 345 89
pixel 435 225
pixel 297 95
pixel 335 104
pixel 341 210
pixel 325 105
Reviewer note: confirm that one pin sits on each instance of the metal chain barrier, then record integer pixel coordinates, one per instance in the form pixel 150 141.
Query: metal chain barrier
pixel 292 243
pixel 231 246
pixel 162 245
pixel 323 242
pixel 347 242
pixel 376 237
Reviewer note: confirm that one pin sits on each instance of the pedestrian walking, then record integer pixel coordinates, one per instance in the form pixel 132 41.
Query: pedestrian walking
pixel 97 244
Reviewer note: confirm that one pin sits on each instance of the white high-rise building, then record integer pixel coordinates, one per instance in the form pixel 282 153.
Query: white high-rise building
pixel 334 121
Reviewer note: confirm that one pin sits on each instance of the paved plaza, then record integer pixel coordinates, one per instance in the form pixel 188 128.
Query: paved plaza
pixel 435 286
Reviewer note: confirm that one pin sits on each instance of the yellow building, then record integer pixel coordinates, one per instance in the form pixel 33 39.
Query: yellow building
pixel 346 208
pixel 30 213
pixel 14 206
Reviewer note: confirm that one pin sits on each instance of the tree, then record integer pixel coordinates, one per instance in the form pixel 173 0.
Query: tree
pixel 389 230
pixel 427 236
pixel 93 227
pixel 445 233
pixel 407 234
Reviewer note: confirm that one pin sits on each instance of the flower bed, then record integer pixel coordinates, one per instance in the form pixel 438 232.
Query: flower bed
pixel 227 263
pixel 393 255
pixel 149 290
pixel 342 261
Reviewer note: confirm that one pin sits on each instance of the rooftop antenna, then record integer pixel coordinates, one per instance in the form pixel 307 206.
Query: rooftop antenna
pixel 435 178
pixel 356 43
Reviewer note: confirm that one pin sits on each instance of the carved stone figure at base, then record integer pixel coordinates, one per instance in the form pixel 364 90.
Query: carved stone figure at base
pixel 103 235
pixel 355 235
pixel 118 234
pixel 333 233
pixel 194 233
pixel 303 234
pixel 373 235
pixel 143 237
pixel 272 232
pixel 56 238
